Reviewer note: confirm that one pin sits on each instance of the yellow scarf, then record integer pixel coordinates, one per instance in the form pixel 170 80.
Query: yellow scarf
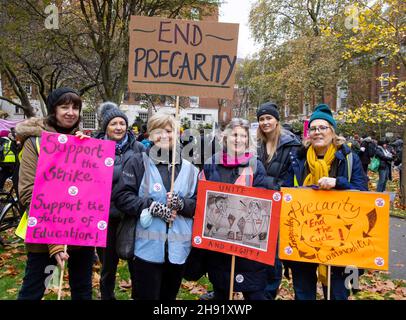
pixel 319 168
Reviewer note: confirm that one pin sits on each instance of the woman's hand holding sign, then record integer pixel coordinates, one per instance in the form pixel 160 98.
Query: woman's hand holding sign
pixel 61 257
pixel 327 183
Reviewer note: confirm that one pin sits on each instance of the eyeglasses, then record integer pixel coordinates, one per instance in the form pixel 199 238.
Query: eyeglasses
pixel 321 129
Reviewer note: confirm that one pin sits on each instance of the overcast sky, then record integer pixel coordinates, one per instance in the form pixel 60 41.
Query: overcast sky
pixel 237 11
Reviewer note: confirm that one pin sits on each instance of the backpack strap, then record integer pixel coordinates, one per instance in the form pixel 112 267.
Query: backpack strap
pixel 350 160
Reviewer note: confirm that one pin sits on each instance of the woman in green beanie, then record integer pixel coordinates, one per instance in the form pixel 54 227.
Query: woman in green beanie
pixel 324 162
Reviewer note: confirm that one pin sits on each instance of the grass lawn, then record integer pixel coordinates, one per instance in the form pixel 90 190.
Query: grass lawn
pixel 373 284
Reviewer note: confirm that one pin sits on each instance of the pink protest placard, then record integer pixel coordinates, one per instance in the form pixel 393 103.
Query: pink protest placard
pixel 71 197
pixel 305 129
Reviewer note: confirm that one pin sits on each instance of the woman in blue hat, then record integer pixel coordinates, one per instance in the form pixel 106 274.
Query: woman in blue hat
pixel 326 162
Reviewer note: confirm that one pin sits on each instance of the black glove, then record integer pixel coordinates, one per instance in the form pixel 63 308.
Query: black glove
pixel 177 203
pixel 160 210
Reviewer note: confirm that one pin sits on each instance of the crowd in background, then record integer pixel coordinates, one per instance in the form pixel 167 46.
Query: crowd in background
pixel 159 254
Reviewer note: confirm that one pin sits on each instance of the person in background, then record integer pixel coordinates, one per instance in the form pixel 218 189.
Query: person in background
pixel 275 149
pixel 163 237
pixel 385 166
pixel 114 126
pixel 327 162
pixel 367 151
pixel 8 158
pixel 63 105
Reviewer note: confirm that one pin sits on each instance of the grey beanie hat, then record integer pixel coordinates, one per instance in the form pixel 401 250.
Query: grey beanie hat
pixel 108 111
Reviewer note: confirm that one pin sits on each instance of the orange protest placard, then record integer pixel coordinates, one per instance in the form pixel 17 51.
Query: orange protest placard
pixel 183 58
pixel 341 228
pixel 237 220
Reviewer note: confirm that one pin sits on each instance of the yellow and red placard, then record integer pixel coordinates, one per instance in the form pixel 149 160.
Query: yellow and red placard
pixel 340 228
pixel 237 220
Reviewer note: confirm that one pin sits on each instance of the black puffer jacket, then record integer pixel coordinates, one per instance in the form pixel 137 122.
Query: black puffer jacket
pixel 128 151
pixel 277 169
pixel 126 192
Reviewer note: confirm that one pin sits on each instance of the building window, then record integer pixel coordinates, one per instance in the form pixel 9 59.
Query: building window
pixel 384 79
pixel 19 111
pixel 198 117
pixel 383 97
pixel 287 111
pixel 194 14
pixel 89 120
pixel 306 109
pixel 27 88
pixel 194 102
pixel 143 116
pixel 170 101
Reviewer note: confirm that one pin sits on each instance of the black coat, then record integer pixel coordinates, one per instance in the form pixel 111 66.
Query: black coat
pixel 219 264
pixel 369 151
pixel 278 168
pixel 126 192
pixel 129 150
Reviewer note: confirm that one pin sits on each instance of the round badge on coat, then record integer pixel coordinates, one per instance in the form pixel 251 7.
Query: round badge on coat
pixel 239 278
pixel 157 187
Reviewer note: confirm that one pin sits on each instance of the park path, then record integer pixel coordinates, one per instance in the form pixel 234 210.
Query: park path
pixel 397 251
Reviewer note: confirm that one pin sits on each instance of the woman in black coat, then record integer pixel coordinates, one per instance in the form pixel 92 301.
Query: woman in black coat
pixel 275 149
pixel 114 127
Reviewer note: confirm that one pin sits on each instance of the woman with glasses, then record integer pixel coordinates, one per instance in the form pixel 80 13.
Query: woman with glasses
pixel 275 149
pixel 326 163
pixel 235 165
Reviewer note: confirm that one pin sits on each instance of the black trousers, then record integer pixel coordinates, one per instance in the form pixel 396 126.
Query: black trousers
pixel 6 171
pixel 40 266
pixel 109 259
pixel 157 281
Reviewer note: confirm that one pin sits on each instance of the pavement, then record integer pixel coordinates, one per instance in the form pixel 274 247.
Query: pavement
pixel 397 251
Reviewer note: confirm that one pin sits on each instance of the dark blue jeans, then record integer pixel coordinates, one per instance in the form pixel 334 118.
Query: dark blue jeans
pixel 383 178
pixel 274 279
pixel 305 281
pixel 39 268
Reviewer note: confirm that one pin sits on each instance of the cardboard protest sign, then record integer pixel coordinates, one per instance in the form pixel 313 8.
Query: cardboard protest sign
pixel 237 220
pixel 183 58
pixel 71 197
pixel 340 228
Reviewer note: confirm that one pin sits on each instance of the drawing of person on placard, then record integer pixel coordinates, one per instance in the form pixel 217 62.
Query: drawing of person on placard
pixel 255 223
pixel 217 224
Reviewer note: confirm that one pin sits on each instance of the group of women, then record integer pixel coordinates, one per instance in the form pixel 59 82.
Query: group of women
pixel 164 212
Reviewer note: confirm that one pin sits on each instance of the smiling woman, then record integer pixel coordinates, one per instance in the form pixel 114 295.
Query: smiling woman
pixel 327 163
pixel 114 126
pixel 63 105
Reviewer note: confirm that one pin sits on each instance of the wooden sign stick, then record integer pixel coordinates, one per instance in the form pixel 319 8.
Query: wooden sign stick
pixel 230 296
pixel 175 138
pixel 328 281
pixel 61 276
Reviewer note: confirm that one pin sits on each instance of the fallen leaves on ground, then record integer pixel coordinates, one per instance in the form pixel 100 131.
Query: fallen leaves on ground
pixel 125 285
